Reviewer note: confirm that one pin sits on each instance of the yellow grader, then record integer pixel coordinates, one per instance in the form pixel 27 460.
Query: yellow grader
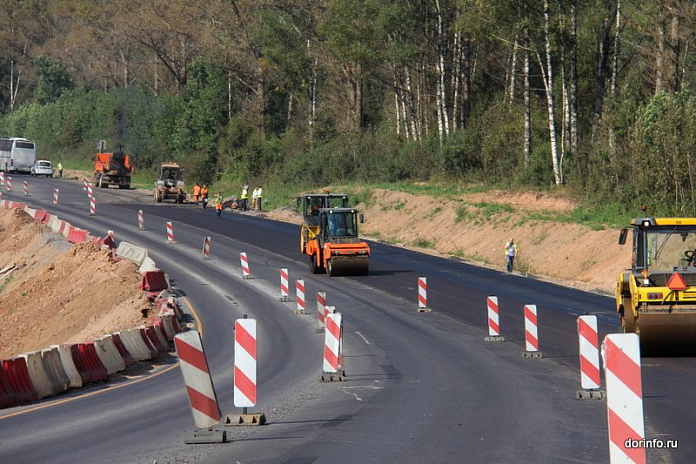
pixel 656 297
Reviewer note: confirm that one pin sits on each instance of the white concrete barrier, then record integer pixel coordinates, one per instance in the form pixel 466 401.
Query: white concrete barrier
pixel 168 326
pixel 129 251
pixel 66 359
pixel 54 368
pixel 109 355
pixel 135 344
pixel 30 211
pixel 37 373
pixel 147 265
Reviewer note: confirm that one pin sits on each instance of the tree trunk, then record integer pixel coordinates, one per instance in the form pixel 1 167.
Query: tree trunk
pixel 513 72
pixel 601 68
pixel 527 104
pixel 617 51
pixel 548 84
pixel 574 142
pixel 412 109
pixel 675 47
pixel 443 115
pixel 660 55
pixel 456 76
pixel 312 99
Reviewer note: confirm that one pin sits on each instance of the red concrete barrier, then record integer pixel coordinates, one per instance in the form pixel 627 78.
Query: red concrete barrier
pixel 150 346
pixel 40 215
pixel 154 339
pixel 153 281
pixel 92 361
pixel 77 236
pixel 122 350
pixel 46 219
pixel 80 365
pixel 161 331
pixel 8 397
pixel 18 375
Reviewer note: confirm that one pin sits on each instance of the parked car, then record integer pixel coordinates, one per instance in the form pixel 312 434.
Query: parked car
pixel 42 168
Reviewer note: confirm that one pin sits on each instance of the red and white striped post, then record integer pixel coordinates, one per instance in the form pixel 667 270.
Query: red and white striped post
pixel 170 233
pixel 300 297
pixel 284 289
pixel 26 188
pixel 588 341
pixel 245 363
pixel 141 220
pixel 332 347
pixel 9 183
pixel 206 248
pixel 90 192
pixel 531 332
pixel 92 206
pixel 621 353
pixel 0 195
pixel 244 261
pixel 493 321
pixel 55 196
pixel 84 184
pixel 199 384
pixel 321 308
pixel 423 295
pixel 2 178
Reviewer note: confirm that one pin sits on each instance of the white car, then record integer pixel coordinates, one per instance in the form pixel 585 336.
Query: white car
pixel 42 168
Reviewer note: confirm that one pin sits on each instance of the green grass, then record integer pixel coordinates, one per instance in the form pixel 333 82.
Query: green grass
pixel 421 242
pixel 5 284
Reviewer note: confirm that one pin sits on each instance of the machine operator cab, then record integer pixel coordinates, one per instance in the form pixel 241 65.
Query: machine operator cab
pixel 312 203
pixel 339 225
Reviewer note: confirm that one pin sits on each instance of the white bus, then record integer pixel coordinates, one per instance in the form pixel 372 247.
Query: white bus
pixel 17 155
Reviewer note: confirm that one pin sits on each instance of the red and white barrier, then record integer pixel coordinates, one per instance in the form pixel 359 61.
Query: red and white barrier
pixel 588 339
pixel 531 332
pixel 55 196
pixel 141 220
pixel 300 296
pixel 321 307
pixel 284 284
pixel 245 363
pixel 85 182
pixel 9 183
pixel 422 294
pixel 90 192
pixel 199 385
pixel 2 178
pixel 170 233
pixel 493 320
pixel 621 353
pixel 26 187
pixel 245 265
pixel 332 342
pixel 92 206
pixel 206 248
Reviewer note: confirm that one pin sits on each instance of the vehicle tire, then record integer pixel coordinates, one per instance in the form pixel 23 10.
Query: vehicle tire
pixel 313 268
pixel 628 325
pixel 158 198
pixel 329 268
pixel 102 184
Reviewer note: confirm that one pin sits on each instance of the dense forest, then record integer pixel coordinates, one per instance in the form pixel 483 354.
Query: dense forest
pixel 592 96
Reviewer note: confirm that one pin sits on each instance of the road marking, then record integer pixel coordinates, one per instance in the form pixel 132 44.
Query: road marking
pixel 361 336
pixel 114 387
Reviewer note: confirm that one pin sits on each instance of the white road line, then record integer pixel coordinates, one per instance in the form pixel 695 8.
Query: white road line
pixel 361 336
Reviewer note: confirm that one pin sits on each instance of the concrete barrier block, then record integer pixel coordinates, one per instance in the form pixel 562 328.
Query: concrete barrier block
pixel 8 397
pixel 53 223
pixel 122 350
pixel 155 339
pixel 40 215
pixel 88 352
pixel 31 212
pixel 153 281
pixel 168 326
pixel 18 375
pixel 77 235
pixel 129 251
pixel 54 369
pixel 134 343
pixel 66 359
pixel 148 265
pixel 108 354
pixel 37 373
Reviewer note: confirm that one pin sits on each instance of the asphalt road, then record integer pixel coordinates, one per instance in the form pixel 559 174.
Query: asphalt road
pixel 420 387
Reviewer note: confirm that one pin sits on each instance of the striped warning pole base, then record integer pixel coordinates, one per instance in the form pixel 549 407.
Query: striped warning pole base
pixel 321 310
pixel 300 297
pixel 493 321
pixel 621 353
pixel 531 333
pixel 332 367
pixel 244 262
pixel 245 373
pixel 141 220
pixel 199 386
pixel 588 343
pixel 9 184
pixel 92 206
pixel 170 233
pixel 284 284
pixel 206 248
pixel 55 196
pixel 26 188
pixel 423 295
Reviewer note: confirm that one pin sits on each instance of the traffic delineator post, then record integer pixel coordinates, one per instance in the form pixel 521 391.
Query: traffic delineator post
pixel 423 295
pixel 199 386
pixel 531 332
pixel 321 310
pixel 90 190
pixel 493 320
pixel 55 196
pixel 245 360
pixel 2 178
pixel 588 346
pixel 9 184
pixel 206 248
pixel 333 348
pixel 85 182
pixel 300 297
pixel 622 372
pixel 92 206
pixel 26 188
pixel 141 220
pixel 170 233
pixel 244 263
pixel 284 289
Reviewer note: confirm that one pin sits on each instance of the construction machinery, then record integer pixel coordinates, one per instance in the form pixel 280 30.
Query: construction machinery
pixel 170 184
pixel 113 169
pixel 335 245
pixel 656 297
pixel 311 204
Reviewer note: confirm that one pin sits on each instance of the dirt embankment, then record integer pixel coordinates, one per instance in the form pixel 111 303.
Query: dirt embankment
pixel 475 228
pixel 54 292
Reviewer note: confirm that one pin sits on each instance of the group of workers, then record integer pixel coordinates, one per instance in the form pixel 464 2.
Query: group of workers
pixel 200 195
pixel 256 198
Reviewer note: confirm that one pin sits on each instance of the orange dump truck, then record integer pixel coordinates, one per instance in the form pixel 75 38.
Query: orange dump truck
pixel 113 169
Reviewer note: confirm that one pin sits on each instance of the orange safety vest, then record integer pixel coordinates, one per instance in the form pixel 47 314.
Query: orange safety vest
pixel 218 203
pixel 196 190
pixel 204 192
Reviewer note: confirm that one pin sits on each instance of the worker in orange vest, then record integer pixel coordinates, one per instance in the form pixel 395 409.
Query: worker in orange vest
pixel 218 203
pixel 204 195
pixel 196 192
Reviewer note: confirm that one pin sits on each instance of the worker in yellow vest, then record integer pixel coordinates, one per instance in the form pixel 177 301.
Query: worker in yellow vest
pixel 244 198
